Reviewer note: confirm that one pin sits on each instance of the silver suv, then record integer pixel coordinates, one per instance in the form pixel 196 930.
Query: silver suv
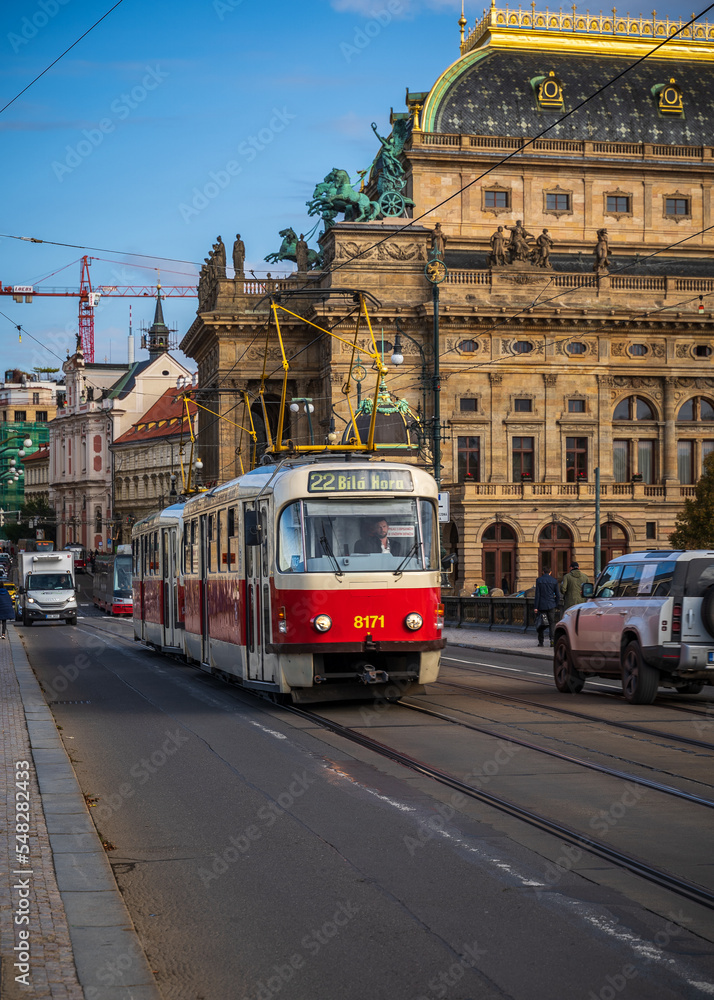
pixel 648 619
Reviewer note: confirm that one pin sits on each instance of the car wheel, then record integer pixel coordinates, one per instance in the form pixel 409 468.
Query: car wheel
pixel 694 687
pixel 27 621
pixel 568 680
pixel 639 680
pixel 71 621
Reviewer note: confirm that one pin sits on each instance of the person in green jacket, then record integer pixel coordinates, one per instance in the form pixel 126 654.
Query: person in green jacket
pixel 571 586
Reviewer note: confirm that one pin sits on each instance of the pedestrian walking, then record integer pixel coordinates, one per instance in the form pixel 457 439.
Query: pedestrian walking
pixel 7 610
pixel 546 600
pixel 571 586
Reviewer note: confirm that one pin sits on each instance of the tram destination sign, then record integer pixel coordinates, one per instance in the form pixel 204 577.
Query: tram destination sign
pixel 361 481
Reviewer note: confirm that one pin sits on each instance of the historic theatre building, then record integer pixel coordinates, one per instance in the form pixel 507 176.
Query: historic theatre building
pixel 575 318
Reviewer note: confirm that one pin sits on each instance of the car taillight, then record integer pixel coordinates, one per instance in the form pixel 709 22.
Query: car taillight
pixel 677 621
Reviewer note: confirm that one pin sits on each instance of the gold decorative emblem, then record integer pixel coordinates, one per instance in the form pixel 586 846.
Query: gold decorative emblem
pixel 550 91
pixel 436 271
pixel 670 98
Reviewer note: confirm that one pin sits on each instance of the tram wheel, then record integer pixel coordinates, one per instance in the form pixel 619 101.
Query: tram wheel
pixel 568 680
pixel 639 680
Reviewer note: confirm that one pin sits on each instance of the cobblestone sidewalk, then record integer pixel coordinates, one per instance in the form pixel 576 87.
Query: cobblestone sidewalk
pixel 28 892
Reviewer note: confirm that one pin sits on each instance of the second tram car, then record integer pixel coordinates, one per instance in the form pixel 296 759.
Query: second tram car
pixel 80 557
pixel 112 585
pixel 317 578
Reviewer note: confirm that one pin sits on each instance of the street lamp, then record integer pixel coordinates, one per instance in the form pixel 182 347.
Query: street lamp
pixel 308 409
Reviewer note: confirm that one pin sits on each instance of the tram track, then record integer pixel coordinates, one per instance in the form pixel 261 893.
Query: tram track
pixel 616 724
pixel 567 758
pixel 614 695
pixel 685 888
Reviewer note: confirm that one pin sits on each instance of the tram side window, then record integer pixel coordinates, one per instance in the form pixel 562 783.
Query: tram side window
pixel 194 544
pixel 430 534
pixel 155 566
pixel 222 541
pixel 211 543
pixel 184 542
pixel 232 539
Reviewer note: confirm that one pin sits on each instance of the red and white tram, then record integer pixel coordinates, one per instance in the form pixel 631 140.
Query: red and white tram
pixel 317 578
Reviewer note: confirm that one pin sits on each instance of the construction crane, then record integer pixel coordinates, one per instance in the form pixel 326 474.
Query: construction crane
pixel 89 298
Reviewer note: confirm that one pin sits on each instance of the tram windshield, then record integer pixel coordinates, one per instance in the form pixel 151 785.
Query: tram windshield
pixel 357 536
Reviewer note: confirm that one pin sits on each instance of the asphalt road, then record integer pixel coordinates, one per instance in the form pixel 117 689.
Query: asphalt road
pixel 260 856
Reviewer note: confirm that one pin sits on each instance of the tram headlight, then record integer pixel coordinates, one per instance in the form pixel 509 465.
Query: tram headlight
pixel 413 621
pixel 322 623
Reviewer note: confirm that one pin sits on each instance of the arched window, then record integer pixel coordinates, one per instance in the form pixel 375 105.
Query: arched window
pixel 555 544
pixel 522 347
pixel 499 557
pixel 467 346
pixel 613 541
pixel 633 408
pixel 697 408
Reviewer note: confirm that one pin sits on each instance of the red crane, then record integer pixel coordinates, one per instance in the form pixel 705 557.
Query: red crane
pixel 89 298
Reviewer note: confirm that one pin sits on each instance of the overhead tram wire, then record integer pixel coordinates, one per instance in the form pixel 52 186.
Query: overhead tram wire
pixel 55 61
pixel 411 222
pixel 434 208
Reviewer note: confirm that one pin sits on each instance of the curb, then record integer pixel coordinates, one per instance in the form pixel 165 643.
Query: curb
pixel 108 955
pixel 499 649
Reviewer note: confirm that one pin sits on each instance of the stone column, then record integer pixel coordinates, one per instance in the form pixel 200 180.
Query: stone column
pixel 603 457
pixel 670 473
pixel 551 450
pixel 499 444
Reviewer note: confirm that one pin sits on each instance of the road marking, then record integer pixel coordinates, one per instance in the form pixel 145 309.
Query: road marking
pixel 494 666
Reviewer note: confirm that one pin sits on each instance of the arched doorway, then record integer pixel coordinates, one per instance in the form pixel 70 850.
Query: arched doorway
pixel 499 557
pixel 613 541
pixel 555 549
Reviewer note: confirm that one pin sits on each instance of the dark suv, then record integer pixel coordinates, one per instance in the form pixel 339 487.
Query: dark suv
pixel 648 619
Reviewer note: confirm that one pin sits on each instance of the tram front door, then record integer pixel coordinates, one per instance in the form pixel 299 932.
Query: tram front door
pixel 257 598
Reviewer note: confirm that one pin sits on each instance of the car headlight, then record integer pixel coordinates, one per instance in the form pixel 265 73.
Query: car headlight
pixel 413 621
pixel 30 600
pixel 322 623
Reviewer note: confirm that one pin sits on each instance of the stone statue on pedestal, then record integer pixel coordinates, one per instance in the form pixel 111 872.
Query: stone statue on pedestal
pixel 239 257
pixel 602 253
pixel 497 257
pixel 438 242
pixel 219 258
pixel 301 254
pixel 542 250
pixel 518 246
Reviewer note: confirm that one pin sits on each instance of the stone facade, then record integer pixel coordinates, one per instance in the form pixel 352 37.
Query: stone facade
pixel 547 373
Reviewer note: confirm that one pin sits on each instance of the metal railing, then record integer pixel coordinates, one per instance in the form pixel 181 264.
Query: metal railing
pixel 515 613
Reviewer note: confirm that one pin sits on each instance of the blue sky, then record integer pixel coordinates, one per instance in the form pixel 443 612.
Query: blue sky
pixel 173 122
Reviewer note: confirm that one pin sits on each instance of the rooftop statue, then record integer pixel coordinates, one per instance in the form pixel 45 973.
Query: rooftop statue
pixel 391 179
pixel 239 257
pixel 288 251
pixel 518 246
pixel 335 194
pixel 541 254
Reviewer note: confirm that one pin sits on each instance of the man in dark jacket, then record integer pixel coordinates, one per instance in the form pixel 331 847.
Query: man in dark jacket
pixel 546 600
pixel 7 610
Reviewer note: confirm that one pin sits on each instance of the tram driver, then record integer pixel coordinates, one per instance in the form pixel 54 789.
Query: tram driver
pixel 375 538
